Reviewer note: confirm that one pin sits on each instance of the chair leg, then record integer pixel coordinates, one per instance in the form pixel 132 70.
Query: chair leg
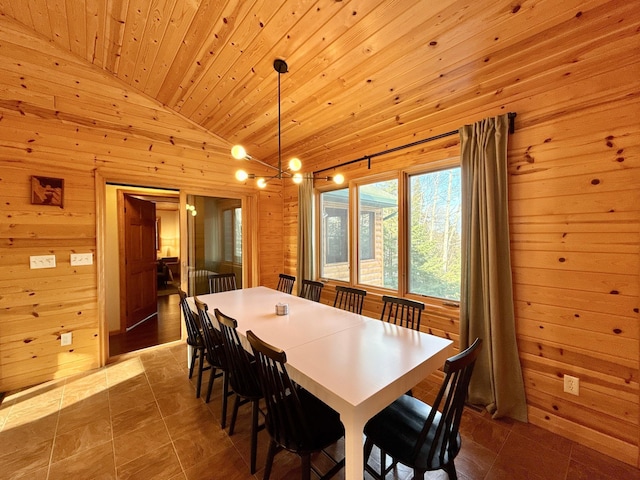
pixel 368 448
pixel 210 387
pixel 254 434
pixel 450 468
pixel 270 455
pixel 200 369
pixel 194 355
pixel 234 415
pixel 225 396
pixel 305 474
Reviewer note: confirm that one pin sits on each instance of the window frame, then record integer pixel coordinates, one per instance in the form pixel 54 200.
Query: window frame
pixel 402 176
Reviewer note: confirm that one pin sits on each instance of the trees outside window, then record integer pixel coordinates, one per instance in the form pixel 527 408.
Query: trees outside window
pixel 434 234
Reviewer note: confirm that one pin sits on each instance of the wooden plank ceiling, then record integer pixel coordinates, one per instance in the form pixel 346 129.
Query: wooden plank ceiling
pixel 364 75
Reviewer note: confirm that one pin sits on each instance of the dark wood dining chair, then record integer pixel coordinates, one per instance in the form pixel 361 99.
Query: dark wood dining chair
pixel 421 436
pixel 285 283
pixel 194 339
pixel 311 290
pixel 222 282
pixel 402 311
pixel 243 376
pixel 215 357
pixel 350 299
pixel 296 420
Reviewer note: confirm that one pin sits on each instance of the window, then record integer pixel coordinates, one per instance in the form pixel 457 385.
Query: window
pixel 334 234
pixel 237 233
pixel 367 235
pixel 365 219
pixel 232 235
pixel 378 234
pixel 227 233
pixel 434 234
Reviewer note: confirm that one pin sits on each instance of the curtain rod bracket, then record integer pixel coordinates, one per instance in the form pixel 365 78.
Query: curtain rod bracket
pixel 512 122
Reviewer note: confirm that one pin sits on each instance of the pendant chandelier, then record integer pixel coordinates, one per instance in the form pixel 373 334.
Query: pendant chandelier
pixel 239 153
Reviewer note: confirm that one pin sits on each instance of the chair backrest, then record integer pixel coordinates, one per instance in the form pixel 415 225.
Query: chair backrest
pixel 285 283
pixel 222 282
pixel 402 311
pixel 350 299
pixel 449 404
pixel 242 375
pixel 190 320
pixel 211 336
pixel 285 420
pixel 311 290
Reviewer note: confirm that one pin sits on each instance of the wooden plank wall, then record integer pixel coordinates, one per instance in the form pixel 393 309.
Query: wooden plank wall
pixel 63 118
pixel 574 172
pixel 575 207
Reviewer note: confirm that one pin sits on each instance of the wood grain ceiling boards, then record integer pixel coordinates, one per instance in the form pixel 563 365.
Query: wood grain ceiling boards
pixel 364 75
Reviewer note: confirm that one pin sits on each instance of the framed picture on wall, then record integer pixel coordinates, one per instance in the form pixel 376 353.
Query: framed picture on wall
pixel 47 191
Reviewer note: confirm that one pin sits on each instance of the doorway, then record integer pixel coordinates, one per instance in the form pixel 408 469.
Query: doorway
pixel 214 244
pixel 161 235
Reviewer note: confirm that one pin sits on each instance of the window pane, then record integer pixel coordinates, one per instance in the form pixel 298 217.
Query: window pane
pixel 378 234
pixel 237 233
pixel 334 234
pixel 434 234
pixel 228 235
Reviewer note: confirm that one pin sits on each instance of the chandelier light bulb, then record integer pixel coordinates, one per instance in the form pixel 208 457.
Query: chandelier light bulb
pixel 338 179
pixel 297 178
pixel 295 164
pixel 238 152
pixel 194 212
pixel 261 182
pixel 241 175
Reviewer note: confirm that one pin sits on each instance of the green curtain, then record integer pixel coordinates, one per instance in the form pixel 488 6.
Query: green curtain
pixel 305 231
pixel 486 303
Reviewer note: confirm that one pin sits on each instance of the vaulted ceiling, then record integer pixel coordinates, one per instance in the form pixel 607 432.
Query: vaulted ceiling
pixel 364 75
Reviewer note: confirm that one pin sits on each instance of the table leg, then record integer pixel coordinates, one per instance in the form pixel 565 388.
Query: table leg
pixel 353 445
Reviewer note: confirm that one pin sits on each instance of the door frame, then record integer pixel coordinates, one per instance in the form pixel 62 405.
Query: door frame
pixel 250 253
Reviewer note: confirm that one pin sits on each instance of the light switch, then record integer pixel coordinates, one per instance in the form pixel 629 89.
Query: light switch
pixel 81 259
pixel 42 261
pixel 66 339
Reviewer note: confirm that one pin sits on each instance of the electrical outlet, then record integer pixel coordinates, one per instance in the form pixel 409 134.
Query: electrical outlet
pixel 572 385
pixel 81 259
pixel 42 261
pixel 66 339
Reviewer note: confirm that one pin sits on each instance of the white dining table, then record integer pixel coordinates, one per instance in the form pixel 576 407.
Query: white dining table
pixel 355 364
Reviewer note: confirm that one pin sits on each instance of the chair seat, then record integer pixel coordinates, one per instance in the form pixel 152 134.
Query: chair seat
pixel 195 342
pixel 397 427
pixel 321 419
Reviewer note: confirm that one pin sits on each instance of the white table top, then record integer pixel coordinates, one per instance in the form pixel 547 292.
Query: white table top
pixel 355 364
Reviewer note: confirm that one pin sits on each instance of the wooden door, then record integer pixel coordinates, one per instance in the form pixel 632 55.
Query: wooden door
pixel 140 279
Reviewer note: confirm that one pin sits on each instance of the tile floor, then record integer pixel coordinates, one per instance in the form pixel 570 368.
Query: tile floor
pixel 138 418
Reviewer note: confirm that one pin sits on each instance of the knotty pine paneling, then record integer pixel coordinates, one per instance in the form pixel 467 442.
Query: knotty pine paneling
pixel 574 171
pixel 363 77
pixel 64 118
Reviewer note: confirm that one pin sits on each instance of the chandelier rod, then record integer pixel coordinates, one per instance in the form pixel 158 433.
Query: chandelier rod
pixel 279 130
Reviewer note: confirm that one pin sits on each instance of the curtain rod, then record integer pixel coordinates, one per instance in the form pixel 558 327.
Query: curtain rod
pixel 511 115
